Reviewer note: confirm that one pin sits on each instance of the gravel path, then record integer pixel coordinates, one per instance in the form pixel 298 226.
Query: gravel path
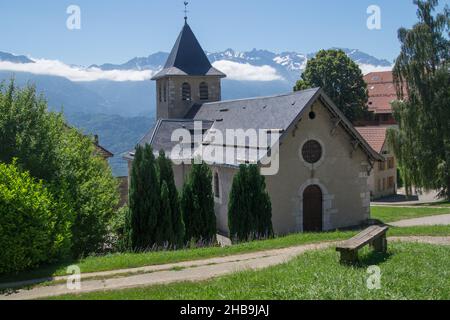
pixel 425 221
pixel 187 271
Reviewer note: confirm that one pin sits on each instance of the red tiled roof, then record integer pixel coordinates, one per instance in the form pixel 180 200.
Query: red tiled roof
pixel 381 91
pixel 375 136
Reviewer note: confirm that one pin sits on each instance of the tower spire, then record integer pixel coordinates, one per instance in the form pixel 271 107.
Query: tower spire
pixel 185 11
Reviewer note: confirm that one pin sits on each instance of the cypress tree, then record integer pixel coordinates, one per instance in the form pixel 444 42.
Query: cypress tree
pixel 164 233
pixel 249 209
pixel 144 199
pixel 166 175
pixel 198 205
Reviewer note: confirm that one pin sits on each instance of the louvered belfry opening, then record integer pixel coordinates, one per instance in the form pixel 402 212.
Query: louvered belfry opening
pixel 186 92
pixel 204 91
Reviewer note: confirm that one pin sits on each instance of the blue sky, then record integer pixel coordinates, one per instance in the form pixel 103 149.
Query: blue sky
pixel 116 31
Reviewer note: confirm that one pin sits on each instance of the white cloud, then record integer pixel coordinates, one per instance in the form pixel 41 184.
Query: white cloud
pixel 368 68
pixel 73 73
pixel 247 72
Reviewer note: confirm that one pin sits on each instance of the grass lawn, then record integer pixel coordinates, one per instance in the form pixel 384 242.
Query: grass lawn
pixel 134 260
pixel 391 214
pixel 409 271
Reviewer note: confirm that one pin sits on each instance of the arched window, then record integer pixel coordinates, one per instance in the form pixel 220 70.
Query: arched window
pixel 204 91
pixel 186 92
pixel 216 185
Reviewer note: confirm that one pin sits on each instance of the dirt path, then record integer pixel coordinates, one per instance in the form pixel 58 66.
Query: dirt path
pixel 186 271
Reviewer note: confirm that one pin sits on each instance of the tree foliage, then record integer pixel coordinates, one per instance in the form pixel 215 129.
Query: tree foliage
pixel 144 198
pixel 249 209
pixel 422 77
pixel 63 158
pixel 341 79
pixel 197 205
pixel 166 176
pixel 164 232
pixel 34 225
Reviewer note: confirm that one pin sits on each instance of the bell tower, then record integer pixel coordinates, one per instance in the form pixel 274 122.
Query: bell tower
pixel 187 79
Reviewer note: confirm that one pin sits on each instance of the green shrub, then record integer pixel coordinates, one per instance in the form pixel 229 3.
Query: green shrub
pixel 34 226
pixel 43 144
pixel 118 239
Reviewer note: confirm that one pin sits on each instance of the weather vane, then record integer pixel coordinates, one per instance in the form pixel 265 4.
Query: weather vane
pixel 185 11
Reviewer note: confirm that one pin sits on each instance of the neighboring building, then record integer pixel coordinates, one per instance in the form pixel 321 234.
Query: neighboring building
pixel 101 151
pixel 324 163
pixel 381 93
pixel 383 179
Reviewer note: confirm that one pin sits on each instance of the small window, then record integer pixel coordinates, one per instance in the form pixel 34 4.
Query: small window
pixel 186 92
pixel 312 151
pixel 382 165
pixel 165 92
pixel 391 163
pixel 159 93
pixel 391 182
pixel 204 91
pixel 216 185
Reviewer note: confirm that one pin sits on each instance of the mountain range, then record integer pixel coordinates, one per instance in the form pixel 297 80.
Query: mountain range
pixel 117 101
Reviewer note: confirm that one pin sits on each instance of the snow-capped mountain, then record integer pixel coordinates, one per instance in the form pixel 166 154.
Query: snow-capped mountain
pixel 289 65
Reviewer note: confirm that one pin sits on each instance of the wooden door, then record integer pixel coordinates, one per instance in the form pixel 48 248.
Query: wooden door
pixel 312 209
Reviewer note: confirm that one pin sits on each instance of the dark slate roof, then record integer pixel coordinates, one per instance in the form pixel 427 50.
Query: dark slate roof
pixel 277 113
pixel 187 58
pixel 160 136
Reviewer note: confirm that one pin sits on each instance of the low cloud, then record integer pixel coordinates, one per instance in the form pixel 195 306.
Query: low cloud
pixel 368 68
pixel 73 73
pixel 247 72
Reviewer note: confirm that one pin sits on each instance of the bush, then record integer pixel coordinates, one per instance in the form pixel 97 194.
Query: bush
pixel 63 158
pixel 118 240
pixel 34 226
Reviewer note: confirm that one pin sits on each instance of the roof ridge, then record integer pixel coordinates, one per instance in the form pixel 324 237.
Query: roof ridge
pixel 263 97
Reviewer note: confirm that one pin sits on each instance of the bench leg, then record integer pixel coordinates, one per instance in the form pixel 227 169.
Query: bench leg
pixel 349 257
pixel 380 244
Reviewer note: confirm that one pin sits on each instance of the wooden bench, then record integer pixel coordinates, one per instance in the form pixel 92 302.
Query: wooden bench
pixel 375 236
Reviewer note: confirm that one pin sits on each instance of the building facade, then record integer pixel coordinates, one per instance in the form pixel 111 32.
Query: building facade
pixel 319 164
pixel 383 178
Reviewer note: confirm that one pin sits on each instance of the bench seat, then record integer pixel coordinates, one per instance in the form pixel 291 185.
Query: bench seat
pixel 374 235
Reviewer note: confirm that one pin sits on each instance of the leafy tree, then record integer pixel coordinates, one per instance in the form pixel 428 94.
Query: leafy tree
pixel 422 77
pixel 90 189
pixel 198 205
pixel 144 199
pixel 28 132
pixel 166 175
pixel 341 79
pixel 34 225
pixel 63 158
pixel 164 232
pixel 249 209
